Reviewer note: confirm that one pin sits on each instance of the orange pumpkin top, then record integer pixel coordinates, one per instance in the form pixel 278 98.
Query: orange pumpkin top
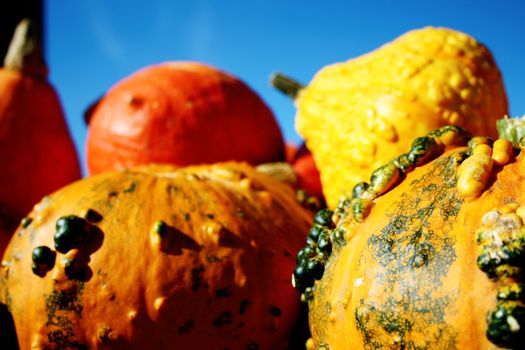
pixel 160 258
pixel 181 113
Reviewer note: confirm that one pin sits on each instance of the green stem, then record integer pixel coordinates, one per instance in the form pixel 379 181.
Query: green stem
pixel 25 51
pixel 512 129
pixel 286 85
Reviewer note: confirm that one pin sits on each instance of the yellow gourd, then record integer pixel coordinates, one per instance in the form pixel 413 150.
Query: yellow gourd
pixel 359 114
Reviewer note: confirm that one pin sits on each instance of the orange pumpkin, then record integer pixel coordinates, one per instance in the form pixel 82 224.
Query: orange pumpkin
pixel 308 175
pixel 37 152
pixel 428 255
pixel 290 149
pixel 160 258
pixel 181 113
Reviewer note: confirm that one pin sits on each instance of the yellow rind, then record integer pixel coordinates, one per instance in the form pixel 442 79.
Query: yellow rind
pixel 359 114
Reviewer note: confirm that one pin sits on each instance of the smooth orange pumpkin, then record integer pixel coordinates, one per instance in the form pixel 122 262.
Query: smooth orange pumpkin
pixel 37 152
pixel 428 255
pixel 158 258
pixel 181 113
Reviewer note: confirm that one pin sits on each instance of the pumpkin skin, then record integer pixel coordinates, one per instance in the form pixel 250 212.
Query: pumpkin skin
pixel 307 173
pixel 407 275
pixel 290 149
pixel 36 149
pixel 195 257
pixel 181 113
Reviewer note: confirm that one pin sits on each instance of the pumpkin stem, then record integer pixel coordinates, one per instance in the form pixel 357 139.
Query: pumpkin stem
pixel 88 112
pixel 25 51
pixel 512 129
pixel 286 85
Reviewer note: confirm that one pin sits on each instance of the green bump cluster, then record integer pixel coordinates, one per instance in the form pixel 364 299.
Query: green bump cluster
pixel 386 177
pixel 504 324
pixel 502 242
pixel 502 257
pixel 76 269
pixel 312 258
pixel 72 232
pixel 43 260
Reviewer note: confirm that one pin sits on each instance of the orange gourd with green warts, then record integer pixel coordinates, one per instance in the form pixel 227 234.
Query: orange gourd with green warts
pixel 429 254
pixel 37 152
pixel 160 258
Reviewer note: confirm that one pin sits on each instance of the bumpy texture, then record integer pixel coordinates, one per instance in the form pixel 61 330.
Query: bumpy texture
pixel 181 113
pixel 157 257
pixel 358 114
pixel 435 262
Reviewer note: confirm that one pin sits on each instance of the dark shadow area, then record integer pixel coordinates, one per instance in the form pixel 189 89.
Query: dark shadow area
pixel 8 340
pixel 229 239
pixel 178 240
pixel 78 268
pixel 301 331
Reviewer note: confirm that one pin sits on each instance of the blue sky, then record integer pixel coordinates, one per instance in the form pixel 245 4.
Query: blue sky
pixel 91 45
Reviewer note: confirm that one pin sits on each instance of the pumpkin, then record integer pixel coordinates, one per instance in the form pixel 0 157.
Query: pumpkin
pixel 158 257
pixel 359 114
pixel 303 164
pixel 180 113
pixel 428 254
pixel 37 152
pixel 290 149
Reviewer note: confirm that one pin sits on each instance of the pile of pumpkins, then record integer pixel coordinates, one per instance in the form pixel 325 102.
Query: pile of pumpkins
pixel 399 222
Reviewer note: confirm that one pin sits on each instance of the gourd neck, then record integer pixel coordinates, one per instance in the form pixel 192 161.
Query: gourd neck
pixel 286 85
pixel 512 129
pixel 25 51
